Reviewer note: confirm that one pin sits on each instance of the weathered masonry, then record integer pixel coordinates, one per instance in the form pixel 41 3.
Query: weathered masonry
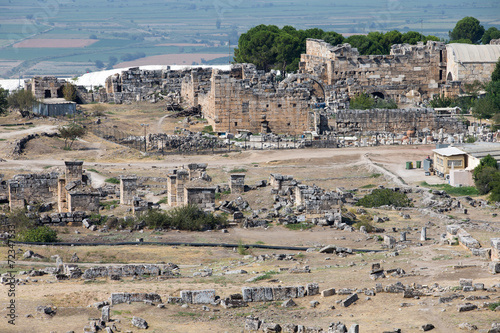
pixel 245 98
pixel 395 121
pixel 71 192
pixel 409 74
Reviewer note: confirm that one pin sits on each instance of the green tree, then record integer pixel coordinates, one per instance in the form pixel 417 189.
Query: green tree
pixel 43 234
pixel 462 41
pixel 22 100
pixel 484 108
pixel 382 197
pixel 440 101
pixel 333 38
pixel 69 92
pixel 390 38
pixel 361 101
pixel 258 46
pixel 4 103
pixel 495 76
pixel 491 33
pixel 467 28
pixel 365 45
pixel 485 178
pixel 287 47
pixel 412 37
pixel 485 173
pixel 70 133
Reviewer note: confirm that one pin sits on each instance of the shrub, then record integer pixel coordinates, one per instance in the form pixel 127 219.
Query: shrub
pixel 112 180
pixel 240 170
pixel 299 226
pixel 365 223
pixel 188 217
pixel 39 234
pixel 381 197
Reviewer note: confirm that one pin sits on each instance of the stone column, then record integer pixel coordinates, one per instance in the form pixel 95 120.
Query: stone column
pixel 402 236
pixel 237 183
pixel 423 234
pixel 128 186
pixel 105 316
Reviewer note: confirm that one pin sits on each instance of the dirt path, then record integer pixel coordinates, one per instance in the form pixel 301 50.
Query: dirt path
pixel 38 129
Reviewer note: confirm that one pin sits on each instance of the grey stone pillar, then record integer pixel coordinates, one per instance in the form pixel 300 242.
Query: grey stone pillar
pixel 423 234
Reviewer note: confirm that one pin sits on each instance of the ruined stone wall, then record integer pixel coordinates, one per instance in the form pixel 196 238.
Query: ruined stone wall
pixel 26 188
pixel 196 83
pixel 244 98
pixel 410 72
pixel 83 201
pixel 203 197
pixel 45 87
pixel 135 84
pixel 128 187
pixel 395 121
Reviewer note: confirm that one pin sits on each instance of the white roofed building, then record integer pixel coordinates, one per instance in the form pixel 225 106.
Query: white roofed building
pixel 468 63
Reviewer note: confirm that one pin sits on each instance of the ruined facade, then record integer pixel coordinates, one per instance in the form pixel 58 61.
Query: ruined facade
pixel 246 99
pixel 191 186
pixel 395 121
pixel 411 73
pixel 45 87
pixel 135 85
pixel 71 193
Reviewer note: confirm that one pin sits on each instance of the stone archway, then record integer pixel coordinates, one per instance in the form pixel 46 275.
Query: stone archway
pixel 449 77
pixel 377 92
pixel 317 80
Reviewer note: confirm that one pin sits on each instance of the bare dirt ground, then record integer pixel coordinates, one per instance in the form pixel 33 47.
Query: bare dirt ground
pixel 54 43
pixel 425 262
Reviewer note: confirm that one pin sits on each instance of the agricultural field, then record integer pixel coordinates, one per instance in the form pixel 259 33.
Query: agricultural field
pixel 93 35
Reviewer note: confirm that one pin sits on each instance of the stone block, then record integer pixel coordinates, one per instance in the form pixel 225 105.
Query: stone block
pixel 328 292
pixel 349 300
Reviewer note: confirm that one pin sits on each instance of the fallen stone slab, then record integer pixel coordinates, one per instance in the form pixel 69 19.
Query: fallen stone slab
pixel 349 300
pixel 466 307
pixel 198 296
pixel 328 292
pixel 139 322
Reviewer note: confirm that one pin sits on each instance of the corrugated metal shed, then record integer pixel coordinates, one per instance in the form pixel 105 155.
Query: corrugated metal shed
pixel 53 107
pixel 464 53
pixel 480 150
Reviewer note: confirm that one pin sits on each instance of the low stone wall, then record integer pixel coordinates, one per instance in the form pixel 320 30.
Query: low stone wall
pixel 63 218
pixel 268 294
pixel 125 270
pixel 395 121
pixel 118 298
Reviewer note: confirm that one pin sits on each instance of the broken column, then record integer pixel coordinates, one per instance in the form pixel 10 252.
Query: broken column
pixel 172 188
pixel 16 195
pixel 128 186
pixel 423 234
pixel 237 183
pixel 105 316
pixel 495 249
pixel 182 179
pixel 402 236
